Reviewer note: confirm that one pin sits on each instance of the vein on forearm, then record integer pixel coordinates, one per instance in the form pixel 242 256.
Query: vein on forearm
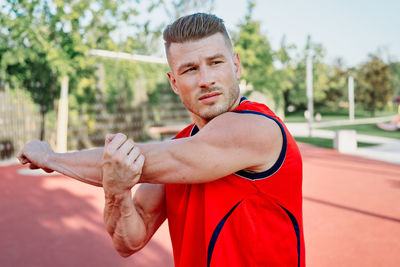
pixel 124 223
pixel 84 166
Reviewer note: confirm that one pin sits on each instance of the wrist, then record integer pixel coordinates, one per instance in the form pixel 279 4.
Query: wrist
pixel 117 196
pixel 120 200
pixel 49 159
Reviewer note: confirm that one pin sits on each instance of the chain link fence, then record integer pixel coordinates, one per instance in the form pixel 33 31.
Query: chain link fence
pixel 19 122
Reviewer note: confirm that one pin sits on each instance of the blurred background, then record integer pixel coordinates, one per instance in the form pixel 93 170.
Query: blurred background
pixel 72 71
pixel 110 56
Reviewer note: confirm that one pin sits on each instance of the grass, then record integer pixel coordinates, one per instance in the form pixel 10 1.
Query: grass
pixel 298 116
pixel 367 129
pixel 325 142
pixel 315 141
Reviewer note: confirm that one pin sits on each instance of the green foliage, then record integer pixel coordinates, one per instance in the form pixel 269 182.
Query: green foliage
pixel 395 77
pixel 255 53
pixel 335 95
pixel 134 80
pixel 293 85
pixel 374 84
pixel 281 74
pixel 42 41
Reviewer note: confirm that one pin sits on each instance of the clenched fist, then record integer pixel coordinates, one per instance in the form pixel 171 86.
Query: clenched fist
pixel 36 153
pixel 122 164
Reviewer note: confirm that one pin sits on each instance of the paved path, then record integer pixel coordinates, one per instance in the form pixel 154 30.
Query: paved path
pixel 48 221
pixel 351 218
pixel 351 210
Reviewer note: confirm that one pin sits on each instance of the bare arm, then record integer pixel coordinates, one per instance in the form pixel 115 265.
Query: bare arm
pixel 130 224
pixel 228 143
pixel 84 165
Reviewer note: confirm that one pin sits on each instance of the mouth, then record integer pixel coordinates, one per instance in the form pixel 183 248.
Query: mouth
pixel 210 97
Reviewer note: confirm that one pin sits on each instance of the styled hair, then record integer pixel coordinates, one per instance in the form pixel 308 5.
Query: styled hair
pixel 194 27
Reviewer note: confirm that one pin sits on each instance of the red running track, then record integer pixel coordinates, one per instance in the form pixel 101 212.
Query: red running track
pixel 351 218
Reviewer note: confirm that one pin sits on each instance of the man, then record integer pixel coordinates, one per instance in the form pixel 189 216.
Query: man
pixel 229 184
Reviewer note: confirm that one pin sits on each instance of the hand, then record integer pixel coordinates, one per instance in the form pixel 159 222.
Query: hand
pixel 122 164
pixel 35 153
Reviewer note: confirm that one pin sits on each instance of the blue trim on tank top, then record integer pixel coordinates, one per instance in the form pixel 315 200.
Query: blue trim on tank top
pixel 281 158
pixel 216 233
pixel 297 231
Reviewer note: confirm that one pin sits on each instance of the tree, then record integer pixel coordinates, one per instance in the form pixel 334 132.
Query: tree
pixel 285 75
pixel 374 84
pixel 256 53
pixel 395 80
pixel 335 95
pixel 43 40
pixel 296 94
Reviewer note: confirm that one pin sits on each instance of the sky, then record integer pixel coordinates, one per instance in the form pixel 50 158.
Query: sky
pixel 349 29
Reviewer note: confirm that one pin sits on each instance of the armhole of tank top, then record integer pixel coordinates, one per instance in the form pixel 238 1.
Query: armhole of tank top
pixel 193 131
pixel 279 162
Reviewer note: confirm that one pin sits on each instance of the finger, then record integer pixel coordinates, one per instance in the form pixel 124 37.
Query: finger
pixel 132 156
pixel 33 166
pixel 109 138
pixel 115 143
pixel 123 151
pixel 21 157
pixel 23 160
pixel 137 167
pixel 140 162
pixel 134 153
pixel 127 147
pixel 48 170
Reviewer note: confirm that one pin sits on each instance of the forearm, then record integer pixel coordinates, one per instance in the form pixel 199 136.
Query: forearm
pixel 83 165
pixel 124 223
pixel 86 165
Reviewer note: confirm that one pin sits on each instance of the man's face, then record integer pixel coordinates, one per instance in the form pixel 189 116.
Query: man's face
pixel 204 73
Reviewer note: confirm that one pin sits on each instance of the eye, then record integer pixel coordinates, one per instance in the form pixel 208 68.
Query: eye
pixel 189 70
pixel 216 62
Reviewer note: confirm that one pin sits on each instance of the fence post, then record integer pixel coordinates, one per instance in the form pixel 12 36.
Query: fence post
pixel 62 120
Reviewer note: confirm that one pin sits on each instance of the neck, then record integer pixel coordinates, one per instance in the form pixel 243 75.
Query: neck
pixel 201 122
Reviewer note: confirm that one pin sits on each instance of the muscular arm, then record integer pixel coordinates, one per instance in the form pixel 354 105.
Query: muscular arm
pixel 84 165
pixel 228 143
pixel 132 223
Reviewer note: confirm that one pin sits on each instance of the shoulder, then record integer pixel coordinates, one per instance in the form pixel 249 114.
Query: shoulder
pixel 256 137
pixel 242 125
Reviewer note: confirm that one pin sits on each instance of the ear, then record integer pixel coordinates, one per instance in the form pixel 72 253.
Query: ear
pixel 238 65
pixel 172 81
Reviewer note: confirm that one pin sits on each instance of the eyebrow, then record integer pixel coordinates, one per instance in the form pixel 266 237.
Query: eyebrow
pixel 216 56
pixel 191 63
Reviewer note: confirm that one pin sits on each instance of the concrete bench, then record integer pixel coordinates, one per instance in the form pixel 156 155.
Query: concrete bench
pixel 345 141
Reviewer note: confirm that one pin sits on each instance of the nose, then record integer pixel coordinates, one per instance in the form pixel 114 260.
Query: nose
pixel 206 78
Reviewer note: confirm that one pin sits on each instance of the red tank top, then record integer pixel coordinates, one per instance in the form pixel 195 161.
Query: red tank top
pixel 243 219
